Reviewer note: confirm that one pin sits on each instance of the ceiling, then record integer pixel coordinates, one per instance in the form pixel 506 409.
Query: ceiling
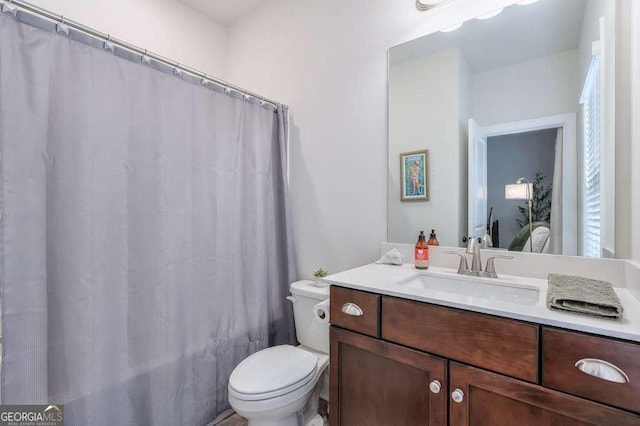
pixel 225 12
pixel 518 34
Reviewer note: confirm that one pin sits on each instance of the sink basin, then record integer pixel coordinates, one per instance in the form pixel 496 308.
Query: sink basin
pixel 474 287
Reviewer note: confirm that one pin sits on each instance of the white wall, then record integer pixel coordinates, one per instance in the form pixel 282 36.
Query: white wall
pixel 416 123
pixel 537 88
pixel 165 27
pixel 328 61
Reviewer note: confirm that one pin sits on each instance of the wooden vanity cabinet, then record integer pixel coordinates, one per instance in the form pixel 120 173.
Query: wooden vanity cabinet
pixel 365 317
pixel 489 399
pixel 373 382
pixel 423 367
pixel 562 349
pixel 497 344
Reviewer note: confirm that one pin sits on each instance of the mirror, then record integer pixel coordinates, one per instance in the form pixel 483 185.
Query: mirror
pixel 527 95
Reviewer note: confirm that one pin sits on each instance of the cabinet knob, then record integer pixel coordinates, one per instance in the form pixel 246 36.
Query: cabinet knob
pixel 352 309
pixel 602 370
pixel 457 396
pixel 435 386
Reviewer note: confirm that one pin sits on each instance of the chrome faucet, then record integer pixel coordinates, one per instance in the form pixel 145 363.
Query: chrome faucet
pixel 473 248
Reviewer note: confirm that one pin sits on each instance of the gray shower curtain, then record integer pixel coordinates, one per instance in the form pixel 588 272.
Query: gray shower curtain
pixel 145 237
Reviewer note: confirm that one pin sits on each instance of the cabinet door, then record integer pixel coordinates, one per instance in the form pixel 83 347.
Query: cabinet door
pixel 375 383
pixel 480 398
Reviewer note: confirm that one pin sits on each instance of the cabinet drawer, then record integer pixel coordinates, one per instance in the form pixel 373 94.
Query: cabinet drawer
pixel 501 345
pixel 355 310
pixel 563 349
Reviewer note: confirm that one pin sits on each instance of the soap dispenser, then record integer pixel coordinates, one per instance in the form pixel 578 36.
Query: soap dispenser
pixel 421 257
pixel 433 240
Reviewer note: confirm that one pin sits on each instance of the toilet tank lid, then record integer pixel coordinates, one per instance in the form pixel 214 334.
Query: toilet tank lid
pixel 308 288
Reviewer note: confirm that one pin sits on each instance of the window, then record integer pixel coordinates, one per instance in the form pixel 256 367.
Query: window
pixel 590 101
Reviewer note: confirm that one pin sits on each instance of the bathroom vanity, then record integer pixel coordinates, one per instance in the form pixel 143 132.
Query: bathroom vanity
pixel 403 355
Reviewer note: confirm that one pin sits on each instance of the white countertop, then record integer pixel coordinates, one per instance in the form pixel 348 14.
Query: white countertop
pixel 383 279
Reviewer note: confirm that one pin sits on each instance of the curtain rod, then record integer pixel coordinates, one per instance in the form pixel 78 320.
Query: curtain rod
pixel 37 10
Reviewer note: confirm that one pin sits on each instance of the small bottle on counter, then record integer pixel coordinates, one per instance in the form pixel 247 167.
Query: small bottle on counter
pixel 421 256
pixel 433 240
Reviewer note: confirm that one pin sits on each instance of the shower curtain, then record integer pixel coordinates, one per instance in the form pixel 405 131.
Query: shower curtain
pixel 145 240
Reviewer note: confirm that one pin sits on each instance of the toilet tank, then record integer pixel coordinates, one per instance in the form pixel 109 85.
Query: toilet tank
pixel 309 331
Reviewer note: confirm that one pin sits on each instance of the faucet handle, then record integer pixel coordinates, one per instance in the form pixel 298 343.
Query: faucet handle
pixel 463 266
pixel 491 267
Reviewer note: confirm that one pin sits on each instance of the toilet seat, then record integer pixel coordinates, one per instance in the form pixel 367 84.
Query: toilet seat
pixel 272 372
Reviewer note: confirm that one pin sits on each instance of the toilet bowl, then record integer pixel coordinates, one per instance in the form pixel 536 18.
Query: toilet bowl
pixel 281 385
pixel 278 386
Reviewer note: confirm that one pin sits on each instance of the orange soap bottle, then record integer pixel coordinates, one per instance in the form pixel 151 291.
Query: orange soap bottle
pixel 433 240
pixel 421 256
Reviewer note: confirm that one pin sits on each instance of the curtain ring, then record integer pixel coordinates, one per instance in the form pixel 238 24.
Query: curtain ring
pixel 108 45
pixel 145 58
pixel 225 86
pixel 62 27
pixel 176 69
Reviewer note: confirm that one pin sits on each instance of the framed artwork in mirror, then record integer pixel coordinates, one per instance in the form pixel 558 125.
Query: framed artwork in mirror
pixel 414 170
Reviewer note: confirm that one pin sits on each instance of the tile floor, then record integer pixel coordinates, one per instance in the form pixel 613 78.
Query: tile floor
pixel 233 420
pixel 236 420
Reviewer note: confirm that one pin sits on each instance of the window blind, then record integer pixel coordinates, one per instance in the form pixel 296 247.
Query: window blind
pixel 591 122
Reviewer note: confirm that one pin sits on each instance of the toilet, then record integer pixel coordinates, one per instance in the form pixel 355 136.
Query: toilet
pixel 282 385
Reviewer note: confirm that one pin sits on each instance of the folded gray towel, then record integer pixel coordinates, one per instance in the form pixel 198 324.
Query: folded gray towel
pixel 583 295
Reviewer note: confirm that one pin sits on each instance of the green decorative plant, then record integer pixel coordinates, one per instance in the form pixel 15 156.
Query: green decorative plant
pixel 320 273
pixel 540 203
